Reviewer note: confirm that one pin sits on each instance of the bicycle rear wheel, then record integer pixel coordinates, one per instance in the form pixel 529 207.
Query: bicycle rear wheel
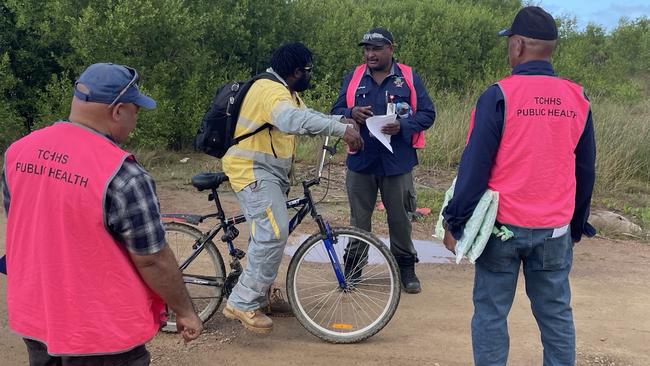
pixel 203 277
pixel 360 309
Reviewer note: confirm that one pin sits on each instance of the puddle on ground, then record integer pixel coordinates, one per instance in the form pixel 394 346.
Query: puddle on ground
pixel 428 251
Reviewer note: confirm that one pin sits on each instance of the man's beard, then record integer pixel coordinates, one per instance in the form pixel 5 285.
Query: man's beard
pixel 302 84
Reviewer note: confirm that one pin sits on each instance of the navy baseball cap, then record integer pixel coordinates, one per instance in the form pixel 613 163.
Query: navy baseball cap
pixel 109 83
pixel 377 37
pixel 532 22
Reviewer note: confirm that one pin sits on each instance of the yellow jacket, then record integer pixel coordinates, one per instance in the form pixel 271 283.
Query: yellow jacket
pixel 269 153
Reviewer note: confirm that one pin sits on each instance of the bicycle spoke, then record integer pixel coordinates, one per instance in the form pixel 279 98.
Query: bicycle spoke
pixel 344 313
pixel 203 275
pixel 323 302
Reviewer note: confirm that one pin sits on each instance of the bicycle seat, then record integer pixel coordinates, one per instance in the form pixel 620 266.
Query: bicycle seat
pixel 208 180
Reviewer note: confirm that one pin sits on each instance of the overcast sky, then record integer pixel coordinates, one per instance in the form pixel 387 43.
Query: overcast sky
pixel 603 12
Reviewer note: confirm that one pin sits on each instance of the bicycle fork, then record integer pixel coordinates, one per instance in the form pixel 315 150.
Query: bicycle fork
pixel 329 242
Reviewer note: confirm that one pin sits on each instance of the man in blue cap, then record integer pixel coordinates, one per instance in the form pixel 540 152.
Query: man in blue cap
pixel 88 267
pixel 532 141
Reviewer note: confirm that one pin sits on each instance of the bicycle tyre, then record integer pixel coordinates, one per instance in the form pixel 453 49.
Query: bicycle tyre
pixel 301 265
pixel 205 298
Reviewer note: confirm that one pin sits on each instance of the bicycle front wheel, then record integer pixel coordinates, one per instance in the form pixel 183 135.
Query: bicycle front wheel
pixel 360 308
pixel 205 274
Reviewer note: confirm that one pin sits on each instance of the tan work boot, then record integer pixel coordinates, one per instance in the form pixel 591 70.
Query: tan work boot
pixel 278 307
pixel 255 321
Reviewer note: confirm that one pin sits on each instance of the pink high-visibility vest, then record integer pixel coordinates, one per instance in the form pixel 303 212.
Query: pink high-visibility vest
pixel 418 137
pixel 70 284
pixel 534 168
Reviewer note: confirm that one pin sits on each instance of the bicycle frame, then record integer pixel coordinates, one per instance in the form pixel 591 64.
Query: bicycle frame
pixel 305 206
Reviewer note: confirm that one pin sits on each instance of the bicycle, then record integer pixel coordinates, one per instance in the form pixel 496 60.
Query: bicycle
pixel 342 282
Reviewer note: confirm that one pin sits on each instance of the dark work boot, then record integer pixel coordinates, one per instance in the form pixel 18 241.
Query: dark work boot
pixel 410 282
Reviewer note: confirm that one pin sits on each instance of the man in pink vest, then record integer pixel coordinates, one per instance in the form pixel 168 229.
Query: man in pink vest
pixel 378 87
pixel 88 267
pixel 532 141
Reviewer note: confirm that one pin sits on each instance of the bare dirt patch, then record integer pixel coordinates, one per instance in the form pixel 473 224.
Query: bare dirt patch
pixel 611 301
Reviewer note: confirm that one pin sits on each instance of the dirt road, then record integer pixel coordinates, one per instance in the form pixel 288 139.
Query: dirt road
pixel 611 301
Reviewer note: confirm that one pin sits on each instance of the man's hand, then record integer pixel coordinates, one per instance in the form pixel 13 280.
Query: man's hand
pixel 391 128
pixel 189 326
pixel 449 241
pixel 353 139
pixel 360 114
pixel 160 272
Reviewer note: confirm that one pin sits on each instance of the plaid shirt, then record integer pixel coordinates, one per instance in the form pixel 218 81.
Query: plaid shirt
pixel 131 209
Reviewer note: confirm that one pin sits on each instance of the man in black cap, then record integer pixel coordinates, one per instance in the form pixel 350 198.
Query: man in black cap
pixel 378 87
pixel 532 141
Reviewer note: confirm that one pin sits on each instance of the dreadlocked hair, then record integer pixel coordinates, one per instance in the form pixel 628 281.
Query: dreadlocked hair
pixel 290 56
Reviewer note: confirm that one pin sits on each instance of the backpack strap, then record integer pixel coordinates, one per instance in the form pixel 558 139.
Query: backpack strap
pixel 263 75
pixel 247 135
pixel 235 116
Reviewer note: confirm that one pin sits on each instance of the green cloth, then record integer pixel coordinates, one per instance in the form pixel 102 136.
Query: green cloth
pixel 477 229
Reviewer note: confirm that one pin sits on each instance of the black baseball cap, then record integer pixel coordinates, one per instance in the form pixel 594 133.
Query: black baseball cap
pixel 532 22
pixel 377 37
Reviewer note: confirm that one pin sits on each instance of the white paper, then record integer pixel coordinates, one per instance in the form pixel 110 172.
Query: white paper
pixel 560 231
pixel 375 124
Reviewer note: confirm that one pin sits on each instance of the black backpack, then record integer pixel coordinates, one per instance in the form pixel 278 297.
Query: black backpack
pixel 216 133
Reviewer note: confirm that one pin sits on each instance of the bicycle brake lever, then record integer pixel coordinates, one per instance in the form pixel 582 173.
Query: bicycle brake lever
pixel 330 149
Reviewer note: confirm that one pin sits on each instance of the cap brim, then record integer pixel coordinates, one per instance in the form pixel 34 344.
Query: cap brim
pixel 504 33
pixel 145 102
pixel 377 43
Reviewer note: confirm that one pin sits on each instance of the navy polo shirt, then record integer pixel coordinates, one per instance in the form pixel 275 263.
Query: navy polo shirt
pixel 375 158
pixel 478 158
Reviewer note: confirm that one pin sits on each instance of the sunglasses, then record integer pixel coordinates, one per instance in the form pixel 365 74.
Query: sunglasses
pixel 134 81
pixel 308 68
pixel 376 37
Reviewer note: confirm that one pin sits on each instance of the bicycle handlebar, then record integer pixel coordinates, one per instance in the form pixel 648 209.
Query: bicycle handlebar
pixel 322 158
pixel 326 149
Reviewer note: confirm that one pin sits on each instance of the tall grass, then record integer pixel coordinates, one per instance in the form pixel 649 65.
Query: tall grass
pixel 622 144
pixel 622 140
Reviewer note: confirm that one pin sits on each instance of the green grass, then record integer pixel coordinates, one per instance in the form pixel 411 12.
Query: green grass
pixel 622 171
pixel 631 201
pixel 168 167
pixel 431 198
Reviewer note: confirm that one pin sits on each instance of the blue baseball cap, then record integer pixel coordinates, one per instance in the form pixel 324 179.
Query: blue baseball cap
pixel 108 83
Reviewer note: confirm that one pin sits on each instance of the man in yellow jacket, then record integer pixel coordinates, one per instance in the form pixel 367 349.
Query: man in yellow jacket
pixel 258 169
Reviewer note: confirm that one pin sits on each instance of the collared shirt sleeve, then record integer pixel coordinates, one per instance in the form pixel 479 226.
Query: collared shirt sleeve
pixel 132 210
pixel 5 193
pixel 585 153
pixel 5 200
pixel 477 160
pixel 341 104
pixel 425 114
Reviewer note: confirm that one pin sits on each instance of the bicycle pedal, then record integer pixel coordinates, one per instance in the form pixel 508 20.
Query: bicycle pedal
pixel 239 254
pixel 230 234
